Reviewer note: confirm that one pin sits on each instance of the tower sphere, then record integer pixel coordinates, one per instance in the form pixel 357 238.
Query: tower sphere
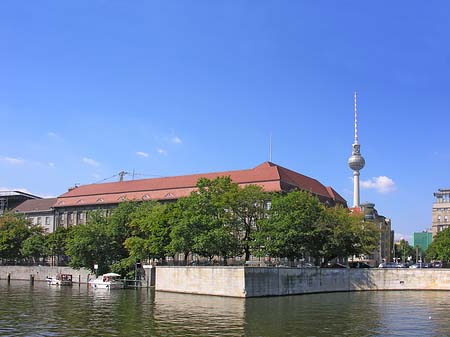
pixel 356 162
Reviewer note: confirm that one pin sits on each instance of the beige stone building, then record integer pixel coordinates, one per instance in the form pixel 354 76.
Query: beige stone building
pixel 40 212
pixel 382 252
pixel 441 211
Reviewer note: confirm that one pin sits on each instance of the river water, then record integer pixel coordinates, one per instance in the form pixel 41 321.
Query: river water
pixel 42 310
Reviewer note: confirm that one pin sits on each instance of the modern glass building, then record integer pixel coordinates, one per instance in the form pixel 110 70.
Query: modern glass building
pixel 422 240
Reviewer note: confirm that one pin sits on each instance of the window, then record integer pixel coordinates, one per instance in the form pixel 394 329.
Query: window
pixel 47 220
pixel 439 218
pixel 61 219
pixel 80 217
pixel 446 218
pixel 39 220
pixel 70 218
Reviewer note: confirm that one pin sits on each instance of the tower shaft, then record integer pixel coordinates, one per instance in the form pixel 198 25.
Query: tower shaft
pixel 356 201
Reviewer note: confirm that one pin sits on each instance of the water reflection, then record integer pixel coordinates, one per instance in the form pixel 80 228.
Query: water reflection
pixel 41 310
pixel 402 313
pixel 198 315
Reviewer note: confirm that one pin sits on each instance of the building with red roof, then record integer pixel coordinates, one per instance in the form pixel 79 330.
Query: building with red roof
pixel 71 207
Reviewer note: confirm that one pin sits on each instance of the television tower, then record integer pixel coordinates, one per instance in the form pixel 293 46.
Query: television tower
pixel 356 161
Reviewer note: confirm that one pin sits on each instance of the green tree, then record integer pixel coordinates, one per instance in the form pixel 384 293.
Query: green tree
pixel 439 249
pixel 55 243
pixel 403 250
pixel 184 227
pixel 150 231
pixel 248 206
pixel 90 244
pixel 119 228
pixel 214 218
pixel 34 247
pixel 14 230
pixel 293 227
pixel 366 235
pixel 217 241
pixel 345 234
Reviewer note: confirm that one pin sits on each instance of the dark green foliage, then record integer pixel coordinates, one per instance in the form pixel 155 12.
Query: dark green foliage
pixel 298 224
pixel 185 227
pixel 345 234
pixel 119 228
pixel 34 247
pixel 150 231
pixel 292 227
pixel 91 244
pixel 439 249
pixel 15 229
pixel 55 243
pixel 403 250
pixel 248 206
pixel 216 231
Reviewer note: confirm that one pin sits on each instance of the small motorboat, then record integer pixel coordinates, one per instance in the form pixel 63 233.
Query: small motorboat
pixel 107 281
pixel 60 280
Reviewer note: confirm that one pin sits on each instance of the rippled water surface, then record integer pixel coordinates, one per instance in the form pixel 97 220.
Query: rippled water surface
pixel 41 310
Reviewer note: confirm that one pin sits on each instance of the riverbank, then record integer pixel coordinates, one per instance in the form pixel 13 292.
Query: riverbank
pixel 244 282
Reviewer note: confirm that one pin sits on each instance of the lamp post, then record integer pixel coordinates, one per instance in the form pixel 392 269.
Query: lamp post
pixel 403 243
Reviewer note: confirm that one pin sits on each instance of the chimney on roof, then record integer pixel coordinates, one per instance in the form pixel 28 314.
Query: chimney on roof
pixel 73 187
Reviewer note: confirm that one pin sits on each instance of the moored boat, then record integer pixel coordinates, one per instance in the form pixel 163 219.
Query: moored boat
pixel 60 280
pixel 107 281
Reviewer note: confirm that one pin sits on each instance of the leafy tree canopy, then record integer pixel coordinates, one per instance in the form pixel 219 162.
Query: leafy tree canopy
pixel 439 249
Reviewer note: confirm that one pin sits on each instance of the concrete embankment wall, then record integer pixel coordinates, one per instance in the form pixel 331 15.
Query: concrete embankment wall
pixel 39 273
pixel 219 281
pixel 255 281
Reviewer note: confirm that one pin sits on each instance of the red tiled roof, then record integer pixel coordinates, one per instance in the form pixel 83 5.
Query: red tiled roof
pixel 35 205
pixel 267 175
pixel 335 195
pixel 355 210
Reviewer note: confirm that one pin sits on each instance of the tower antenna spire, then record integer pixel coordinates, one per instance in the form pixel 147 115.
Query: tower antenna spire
pixel 356 119
pixel 270 147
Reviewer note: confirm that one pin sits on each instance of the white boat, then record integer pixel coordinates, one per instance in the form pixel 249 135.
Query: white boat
pixel 60 280
pixel 107 281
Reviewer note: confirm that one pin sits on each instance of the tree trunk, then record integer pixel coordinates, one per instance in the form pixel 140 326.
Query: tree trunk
pixel 247 253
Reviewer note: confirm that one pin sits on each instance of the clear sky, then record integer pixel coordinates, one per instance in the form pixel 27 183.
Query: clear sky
pixel 90 88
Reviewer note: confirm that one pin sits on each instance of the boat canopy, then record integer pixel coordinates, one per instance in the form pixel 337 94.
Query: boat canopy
pixel 111 275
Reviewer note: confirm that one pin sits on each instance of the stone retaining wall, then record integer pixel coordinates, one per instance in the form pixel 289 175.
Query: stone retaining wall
pixel 39 273
pixel 219 281
pixel 255 281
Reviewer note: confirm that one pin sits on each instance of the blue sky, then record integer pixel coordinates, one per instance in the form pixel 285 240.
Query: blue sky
pixel 90 88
